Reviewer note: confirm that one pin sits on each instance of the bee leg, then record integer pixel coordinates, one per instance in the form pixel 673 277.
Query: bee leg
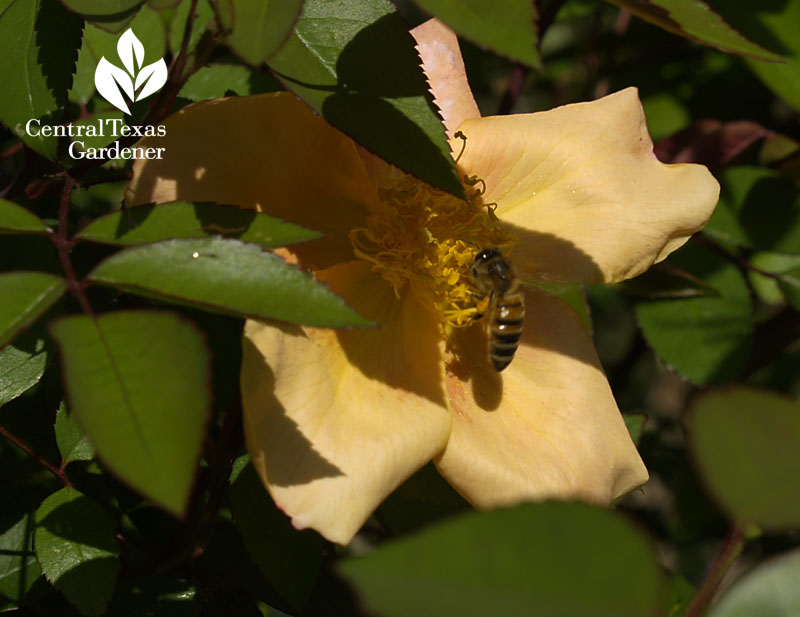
pixel 481 304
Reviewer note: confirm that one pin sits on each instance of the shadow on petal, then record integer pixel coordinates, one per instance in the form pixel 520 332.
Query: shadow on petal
pixel 470 362
pixel 556 432
pixel 307 463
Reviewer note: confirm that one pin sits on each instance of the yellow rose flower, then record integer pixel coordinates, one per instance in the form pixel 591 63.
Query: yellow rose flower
pixel 336 420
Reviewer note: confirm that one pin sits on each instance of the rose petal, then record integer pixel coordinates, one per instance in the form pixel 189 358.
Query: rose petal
pixel 582 189
pixel 335 421
pixel 268 152
pixel 546 427
pixel 441 60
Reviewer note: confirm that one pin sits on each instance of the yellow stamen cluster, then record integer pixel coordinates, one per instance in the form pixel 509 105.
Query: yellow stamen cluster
pixel 428 239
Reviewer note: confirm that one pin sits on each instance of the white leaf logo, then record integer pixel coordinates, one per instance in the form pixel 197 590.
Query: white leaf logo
pixel 109 79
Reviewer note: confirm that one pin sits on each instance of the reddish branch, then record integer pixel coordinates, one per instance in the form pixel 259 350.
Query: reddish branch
pixel 728 552
pixel 64 245
pixel 59 473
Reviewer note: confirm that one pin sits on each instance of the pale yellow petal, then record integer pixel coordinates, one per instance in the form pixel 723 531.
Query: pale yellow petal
pixel 584 192
pixel 546 427
pixel 268 152
pixel 441 60
pixel 335 421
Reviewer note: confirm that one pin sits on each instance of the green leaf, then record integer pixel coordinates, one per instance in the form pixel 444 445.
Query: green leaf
pixel 354 62
pixel 424 498
pixel 260 27
pixel 101 7
pixel 573 295
pixel 14 218
pixel 705 339
pixel 784 286
pixel 137 384
pixel 26 297
pixel 22 365
pixel 745 444
pixel 757 209
pixel 635 424
pixel 216 80
pixel 565 559
pixel 39 42
pixel 72 443
pixel 101 41
pixel 288 559
pixel 511 32
pixel 666 281
pixel 226 276
pixel 147 224
pixel 156 596
pixel 19 569
pixel 203 16
pixel 773 25
pixel 695 20
pixel 771 590
pixel 77 548
pixel 681 593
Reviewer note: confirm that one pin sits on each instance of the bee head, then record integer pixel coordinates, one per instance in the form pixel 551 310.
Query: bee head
pixel 486 254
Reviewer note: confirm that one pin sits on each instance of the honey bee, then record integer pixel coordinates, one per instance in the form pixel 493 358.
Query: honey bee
pixel 494 277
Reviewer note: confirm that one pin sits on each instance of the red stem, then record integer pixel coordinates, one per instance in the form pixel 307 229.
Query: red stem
pixel 728 552
pixel 59 473
pixel 64 246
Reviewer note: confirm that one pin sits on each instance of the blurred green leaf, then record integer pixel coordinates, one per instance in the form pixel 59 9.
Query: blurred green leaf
pixel 26 296
pixel 260 27
pixel 511 31
pixel 565 559
pixel 355 63
pixel 177 25
pixel 72 443
pixel 571 294
pixel 681 593
pixel 666 114
pixel 137 384
pixel 14 218
pixel 77 548
pixel 22 365
pixel 705 339
pixel 771 590
pixel 19 569
pixel 216 80
pixel 694 19
pixel 785 285
pixel 424 498
pixel 147 224
pixel 101 7
pixel 289 559
pixel 156 596
pixel 666 281
pixel 745 444
pixel 635 424
pixel 773 24
pixel 226 276
pixel 39 41
pixel 757 209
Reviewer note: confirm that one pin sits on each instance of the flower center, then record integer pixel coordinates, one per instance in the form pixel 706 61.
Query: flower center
pixel 427 239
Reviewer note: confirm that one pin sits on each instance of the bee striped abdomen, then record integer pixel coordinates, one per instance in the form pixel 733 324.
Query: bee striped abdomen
pixel 506 328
